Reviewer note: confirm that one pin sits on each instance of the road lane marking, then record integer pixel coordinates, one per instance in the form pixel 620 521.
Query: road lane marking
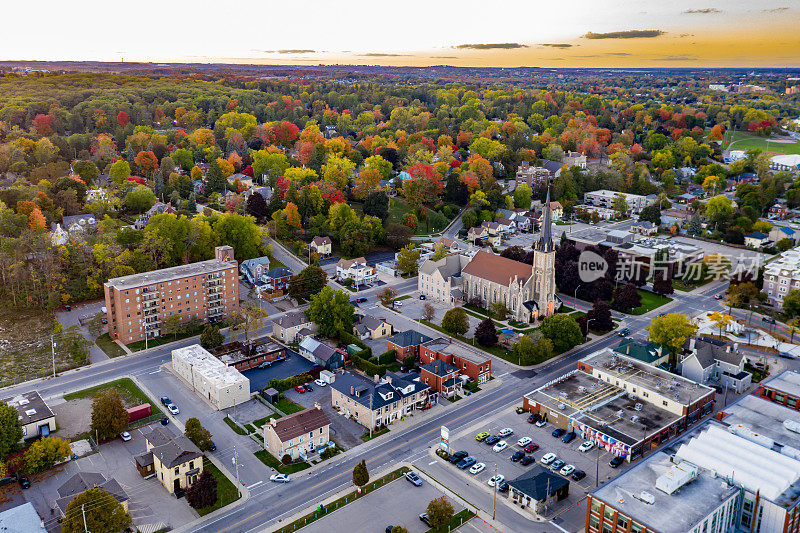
pixel 432 463
pixel 559 527
pixel 256 484
pixel 248 518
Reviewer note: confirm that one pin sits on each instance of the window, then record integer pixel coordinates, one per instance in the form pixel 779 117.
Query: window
pixel 622 521
pixel 177 470
pixel 594 522
pixel 608 513
pixel 191 465
pixel 636 528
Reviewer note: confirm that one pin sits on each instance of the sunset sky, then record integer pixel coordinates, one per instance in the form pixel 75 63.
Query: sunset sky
pixel 591 33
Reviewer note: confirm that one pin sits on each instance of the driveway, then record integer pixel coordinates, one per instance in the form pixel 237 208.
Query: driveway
pixel 293 365
pixel 73 318
pixel 345 432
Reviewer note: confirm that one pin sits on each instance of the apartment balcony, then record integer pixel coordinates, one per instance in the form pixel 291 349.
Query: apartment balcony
pixel 215 297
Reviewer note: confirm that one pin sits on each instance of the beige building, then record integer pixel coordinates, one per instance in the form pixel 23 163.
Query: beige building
pixel 372 328
pixel 440 280
pixel 781 276
pixel 377 403
pixel 219 384
pixel 574 159
pixel 297 435
pixel 140 304
pixel 321 245
pixel 35 417
pixel 175 461
pixel 287 328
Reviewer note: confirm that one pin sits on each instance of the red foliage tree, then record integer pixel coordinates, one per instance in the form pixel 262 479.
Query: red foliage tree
pixel 123 119
pixel 43 124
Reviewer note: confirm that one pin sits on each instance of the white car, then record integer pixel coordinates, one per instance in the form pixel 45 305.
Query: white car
pixel 505 432
pixel 477 468
pixel 280 478
pixel 173 409
pixel 524 441
pixel 566 470
pixel 320 383
pixel 500 446
pixel 398 304
pixel 125 436
pixel 548 458
pixel 586 446
pixel 496 480
pixel 540 423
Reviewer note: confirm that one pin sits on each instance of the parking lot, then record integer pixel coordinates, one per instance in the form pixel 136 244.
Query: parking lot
pixel 293 365
pixel 344 432
pixel 399 503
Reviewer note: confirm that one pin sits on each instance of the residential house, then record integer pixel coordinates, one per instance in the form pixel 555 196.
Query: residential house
pixel 176 461
pixel 644 227
pixel 321 245
pixel 254 269
pixel 441 280
pixel 356 270
pixel 521 219
pixel 287 327
pixel 505 225
pixel 450 245
pixel 711 361
pixel 778 211
pixel 441 377
pixel 574 159
pixel 321 354
pixel 471 364
pixel 406 343
pixel 686 198
pixel 299 434
pixel 71 225
pixel 83 481
pixel 97 194
pixel 479 236
pixel 35 417
pixel 21 519
pixel 553 167
pixel 278 278
pixel 157 209
pixel 379 402
pixel 778 233
pixel 756 239
pixel 372 328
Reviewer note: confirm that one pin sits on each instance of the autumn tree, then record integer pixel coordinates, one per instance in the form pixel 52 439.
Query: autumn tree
pixel 599 316
pixel 199 435
pixel 387 296
pixel 203 492
pixel 148 162
pixel 455 321
pixel 428 312
pixel 440 512
pixel 95 510
pixel 44 453
pixel 308 281
pixel 109 416
pixel 671 332
pixel 626 297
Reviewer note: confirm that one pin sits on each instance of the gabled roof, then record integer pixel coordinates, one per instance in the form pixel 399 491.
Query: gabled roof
pixel 280 272
pixel 407 338
pixel 176 452
pixel 708 351
pixel 321 241
pixel 497 269
pixel 372 323
pixel 375 395
pixel 83 481
pixel 291 320
pixel 439 368
pixel 537 482
pixel 321 351
pixel 757 235
pixel 294 425
pixel 552 166
pixel 347 263
pixel 250 263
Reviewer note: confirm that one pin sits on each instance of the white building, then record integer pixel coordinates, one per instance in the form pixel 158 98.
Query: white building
pixel 781 276
pixel 605 198
pixel 441 280
pixel 219 384
pixel 574 159
pixel 785 162
pixel 357 270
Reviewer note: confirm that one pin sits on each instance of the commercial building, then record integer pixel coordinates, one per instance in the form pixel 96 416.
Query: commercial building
pixel 468 363
pixel 781 276
pixel 221 385
pixel 298 434
pixel 623 405
pixel 35 417
pixel 174 460
pixel 537 488
pixel 250 354
pixel 379 402
pixel 605 198
pixel 783 389
pixel 139 305
pixel 21 519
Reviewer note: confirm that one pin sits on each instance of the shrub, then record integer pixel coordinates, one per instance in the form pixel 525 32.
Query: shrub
pixel 387 357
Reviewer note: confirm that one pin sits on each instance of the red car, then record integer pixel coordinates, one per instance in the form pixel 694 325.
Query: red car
pixel 532 447
pixel 300 389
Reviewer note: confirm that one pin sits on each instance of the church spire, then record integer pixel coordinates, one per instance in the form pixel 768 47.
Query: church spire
pixel 545 243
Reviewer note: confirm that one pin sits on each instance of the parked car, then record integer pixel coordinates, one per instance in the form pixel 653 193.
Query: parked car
pixel 616 461
pixel 556 465
pixel 503 486
pixel 500 446
pixel 24 482
pixel 520 410
pixel 104 320
pixel 532 419
pixel 173 409
pixel 524 441
pixel 586 446
pixel 165 421
pixel 768 319
pixel 280 478
pixel 300 389
pixel 165 401
pixel 540 423
pixel 624 332
pixel 125 436
pixel 398 304
pixel 527 460
pixel 548 458
pixel 414 479
pixel 532 447
pixel 5 480
pixel 361 300
pixel 477 468
pixel 567 470
pixel 308 387
pixel 213 447
pixel 505 432
pixel 422 297
pixel 496 479
pixel 558 432
pixel 67 307
pixel 481 436
pixel 320 383
pixel 424 518
pixel 491 440
pixel 569 437
pixel 466 462
pixel 719 296
pixel 456 457
pixel 517 457
pixel 578 475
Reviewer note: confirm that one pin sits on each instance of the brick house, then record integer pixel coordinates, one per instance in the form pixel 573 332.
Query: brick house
pixel 278 278
pixel 441 377
pixel 406 343
pixel 467 363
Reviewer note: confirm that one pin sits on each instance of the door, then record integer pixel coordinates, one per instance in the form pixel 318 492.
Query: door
pixel 176 485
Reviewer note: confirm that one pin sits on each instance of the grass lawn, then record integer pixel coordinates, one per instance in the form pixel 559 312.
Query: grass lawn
pixel 261 422
pixel 472 387
pixel 742 140
pixel 234 427
pixel 564 310
pixel 401 298
pixel 131 396
pixel 111 348
pixel 482 317
pixel 650 301
pixel 494 350
pixel 688 286
pixel 268 459
pixel 398 209
pixel 274 262
pixel 226 491
pixel 365 437
pixel 458 519
pixel 287 406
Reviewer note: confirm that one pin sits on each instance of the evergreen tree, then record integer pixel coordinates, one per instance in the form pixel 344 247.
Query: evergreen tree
pixel 191 204
pixel 158 185
pixel 215 182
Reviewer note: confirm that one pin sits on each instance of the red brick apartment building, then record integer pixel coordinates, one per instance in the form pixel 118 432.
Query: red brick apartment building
pixel 140 304
pixel 783 389
pixel 467 363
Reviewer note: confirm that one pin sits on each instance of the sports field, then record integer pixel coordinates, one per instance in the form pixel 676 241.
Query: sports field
pixel 740 140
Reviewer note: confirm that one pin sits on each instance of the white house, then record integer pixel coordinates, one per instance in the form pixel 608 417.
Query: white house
pixel 756 239
pixel 357 270
pixel 710 361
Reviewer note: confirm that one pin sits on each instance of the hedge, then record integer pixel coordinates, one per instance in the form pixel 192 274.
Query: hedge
pixel 387 357
pixel 409 360
pixel 368 367
pixel 349 338
pixel 282 385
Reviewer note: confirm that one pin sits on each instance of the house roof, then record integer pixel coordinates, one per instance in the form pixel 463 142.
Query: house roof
pixel 439 368
pixel 537 482
pixel 643 351
pixel 82 220
pixel 372 323
pixel 21 519
pixel 321 241
pixel 250 263
pixel 83 481
pixel 376 395
pixel 757 235
pixel 408 338
pixel 172 450
pixel 291 320
pixel 708 351
pixel 321 351
pixel 292 426
pixel 280 272
pixel 347 263
pixel 30 407
pixel 503 221
pixel 497 269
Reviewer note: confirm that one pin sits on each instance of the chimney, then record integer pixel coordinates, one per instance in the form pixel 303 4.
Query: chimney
pixel 735 346
pixel 388 378
pixel 692 343
pixel 377 378
pixel 273 422
pixel 449 340
pixel 352 390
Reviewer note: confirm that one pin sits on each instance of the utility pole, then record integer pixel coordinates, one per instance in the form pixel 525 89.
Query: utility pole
pixel 83 511
pixel 235 460
pixel 53 347
pixel 494 492
pixel 597 466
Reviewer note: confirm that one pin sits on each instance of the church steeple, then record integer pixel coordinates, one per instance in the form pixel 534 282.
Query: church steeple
pixel 545 243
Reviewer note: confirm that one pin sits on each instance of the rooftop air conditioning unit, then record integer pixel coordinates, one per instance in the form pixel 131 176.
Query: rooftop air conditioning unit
pixel 562 406
pixel 646 497
pixel 582 389
pixel 620 413
pixel 638 407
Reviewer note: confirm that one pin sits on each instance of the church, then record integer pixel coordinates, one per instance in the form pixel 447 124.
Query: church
pixel 527 291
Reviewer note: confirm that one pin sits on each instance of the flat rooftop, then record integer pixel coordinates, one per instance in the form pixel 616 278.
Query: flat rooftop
pixel 30 407
pixel 787 381
pixel 209 366
pixel 236 352
pixel 169 274
pixel 763 417
pixel 670 513
pixel 648 377
pixel 604 407
pixel 442 345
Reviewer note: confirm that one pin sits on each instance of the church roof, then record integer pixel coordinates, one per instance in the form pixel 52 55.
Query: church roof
pixel 497 269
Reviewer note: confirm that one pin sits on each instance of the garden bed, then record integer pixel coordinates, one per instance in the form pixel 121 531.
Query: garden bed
pixel 271 461
pixel 227 492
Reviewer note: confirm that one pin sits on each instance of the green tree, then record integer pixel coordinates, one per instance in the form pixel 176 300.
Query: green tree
pixel 10 429
pixel 140 199
pixel 240 232
pixel 440 512
pixel 87 170
pixel 408 259
pixel 203 492
pixel 791 303
pixel 95 510
pixel 46 452
pixel 120 171
pixel 500 310
pixel 522 196
pixel 620 205
pixel 331 311
pixel 455 321
pixel 309 281
pixel 215 180
pixel 376 204
pixel 109 417
pixel 719 208
pixel 360 474
pixel 532 352
pixel 211 337
pixel 172 325
pixel 563 332
pixel 387 296
pixel 380 164
pixel 196 433
pixel 671 331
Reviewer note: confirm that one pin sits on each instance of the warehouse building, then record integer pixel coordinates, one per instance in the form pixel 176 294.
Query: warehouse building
pixel 219 384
